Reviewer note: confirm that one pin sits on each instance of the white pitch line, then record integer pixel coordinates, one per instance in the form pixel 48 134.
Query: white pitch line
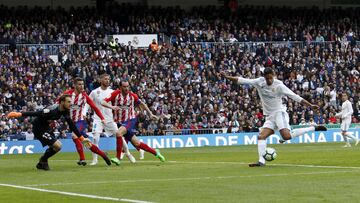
pixel 194 178
pixel 243 163
pixel 74 194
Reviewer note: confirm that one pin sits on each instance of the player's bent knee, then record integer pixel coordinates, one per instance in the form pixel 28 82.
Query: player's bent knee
pixel 261 137
pixel 286 136
pixel 136 143
pixel 57 146
pixel 122 131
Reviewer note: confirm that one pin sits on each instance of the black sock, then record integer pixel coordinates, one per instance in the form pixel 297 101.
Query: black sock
pixel 48 153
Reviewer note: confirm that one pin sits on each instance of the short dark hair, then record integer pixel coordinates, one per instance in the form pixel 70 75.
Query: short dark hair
pixel 63 97
pixel 124 80
pixel 268 71
pixel 77 79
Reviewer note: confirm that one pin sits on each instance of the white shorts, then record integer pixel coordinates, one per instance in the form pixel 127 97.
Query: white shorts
pixel 345 125
pixel 109 127
pixel 277 121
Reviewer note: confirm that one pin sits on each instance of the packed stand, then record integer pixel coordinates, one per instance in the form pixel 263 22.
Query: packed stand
pixel 210 24
pixel 181 80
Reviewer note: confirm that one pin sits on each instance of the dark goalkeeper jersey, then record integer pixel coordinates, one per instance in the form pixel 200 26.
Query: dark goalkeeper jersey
pixel 47 115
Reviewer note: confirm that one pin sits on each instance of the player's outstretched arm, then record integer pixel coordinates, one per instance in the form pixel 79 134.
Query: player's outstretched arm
pixel 15 114
pixel 289 93
pixel 240 80
pixel 145 107
pixel 74 129
pixel 108 105
pixel 231 78
pixel 313 106
pixel 94 107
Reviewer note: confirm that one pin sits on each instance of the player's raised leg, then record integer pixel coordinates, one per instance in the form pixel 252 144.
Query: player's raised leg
pixel 93 148
pixel 301 131
pixel 156 152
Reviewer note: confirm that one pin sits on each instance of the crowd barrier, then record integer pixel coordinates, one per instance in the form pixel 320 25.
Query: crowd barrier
pixel 54 49
pixel 180 141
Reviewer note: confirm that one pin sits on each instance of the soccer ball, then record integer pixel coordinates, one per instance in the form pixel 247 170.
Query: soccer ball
pixel 270 154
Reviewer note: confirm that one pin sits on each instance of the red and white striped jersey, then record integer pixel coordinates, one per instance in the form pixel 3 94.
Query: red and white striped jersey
pixel 126 103
pixel 78 102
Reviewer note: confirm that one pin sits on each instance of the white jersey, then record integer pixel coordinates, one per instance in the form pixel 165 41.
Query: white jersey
pixel 271 96
pixel 98 95
pixel 346 111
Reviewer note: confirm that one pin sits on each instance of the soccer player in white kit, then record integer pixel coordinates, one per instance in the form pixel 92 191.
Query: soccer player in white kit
pixel 345 115
pixel 271 92
pixel 110 127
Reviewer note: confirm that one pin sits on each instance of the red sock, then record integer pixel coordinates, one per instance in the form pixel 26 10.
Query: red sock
pixel 119 146
pixel 79 148
pixel 96 150
pixel 147 148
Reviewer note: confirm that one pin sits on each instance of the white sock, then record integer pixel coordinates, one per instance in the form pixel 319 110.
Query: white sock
pixel 301 131
pixel 346 139
pixel 261 150
pixel 96 142
pixel 142 152
pixel 125 147
pixel 351 136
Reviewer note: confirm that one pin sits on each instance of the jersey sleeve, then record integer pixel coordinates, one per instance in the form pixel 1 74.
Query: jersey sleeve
pixel 87 106
pixel 93 106
pixel 112 96
pixel 246 81
pixel 34 113
pixel 289 93
pixel 72 126
pixel 137 101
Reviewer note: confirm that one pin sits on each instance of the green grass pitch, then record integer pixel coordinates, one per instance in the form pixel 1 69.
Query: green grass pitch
pixel 323 172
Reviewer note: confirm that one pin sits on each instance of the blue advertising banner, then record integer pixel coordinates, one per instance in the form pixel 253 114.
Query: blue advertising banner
pixel 179 141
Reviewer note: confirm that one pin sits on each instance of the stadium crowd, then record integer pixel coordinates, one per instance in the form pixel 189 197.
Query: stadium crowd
pixel 181 78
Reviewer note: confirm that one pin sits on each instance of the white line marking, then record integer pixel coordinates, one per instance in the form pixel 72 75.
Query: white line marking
pixel 269 164
pixel 74 194
pixel 194 178
pixel 243 163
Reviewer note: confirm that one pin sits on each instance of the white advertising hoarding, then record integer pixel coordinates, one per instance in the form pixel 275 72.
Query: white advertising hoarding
pixel 137 40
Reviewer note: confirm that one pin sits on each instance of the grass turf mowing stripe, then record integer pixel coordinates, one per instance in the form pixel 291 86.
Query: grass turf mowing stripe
pixel 74 194
pixel 195 178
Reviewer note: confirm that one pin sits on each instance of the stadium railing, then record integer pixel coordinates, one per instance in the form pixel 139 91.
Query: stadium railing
pixel 253 46
pixel 54 49
pixel 51 49
pixel 225 130
pixel 4 47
